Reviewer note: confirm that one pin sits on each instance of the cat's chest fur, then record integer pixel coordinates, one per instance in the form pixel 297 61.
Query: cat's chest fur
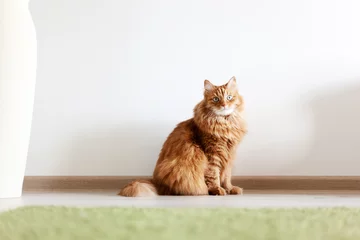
pixel 217 144
pixel 221 139
pixel 226 134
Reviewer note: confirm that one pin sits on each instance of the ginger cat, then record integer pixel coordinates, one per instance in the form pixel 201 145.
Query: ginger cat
pixel 197 157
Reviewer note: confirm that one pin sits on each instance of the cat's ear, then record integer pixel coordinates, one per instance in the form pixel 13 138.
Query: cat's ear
pixel 232 84
pixel 208 85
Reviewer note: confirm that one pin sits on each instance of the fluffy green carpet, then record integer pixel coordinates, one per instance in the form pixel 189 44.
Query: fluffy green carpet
pixel 52 223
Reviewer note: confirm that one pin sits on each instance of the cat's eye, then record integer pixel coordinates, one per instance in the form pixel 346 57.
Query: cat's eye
pixel 229 97
pixel 216 99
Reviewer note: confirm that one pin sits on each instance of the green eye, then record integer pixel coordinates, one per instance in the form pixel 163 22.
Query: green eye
pixel 229 97
pixel 216 99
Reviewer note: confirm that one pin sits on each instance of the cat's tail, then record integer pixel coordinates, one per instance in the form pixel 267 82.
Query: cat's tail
pixel 139 188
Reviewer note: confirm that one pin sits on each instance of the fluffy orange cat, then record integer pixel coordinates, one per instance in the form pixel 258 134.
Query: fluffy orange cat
pixel 197 157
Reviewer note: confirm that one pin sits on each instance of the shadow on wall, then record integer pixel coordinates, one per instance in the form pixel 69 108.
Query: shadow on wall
pixel 126 150
pixel 336 143
pixel 132 149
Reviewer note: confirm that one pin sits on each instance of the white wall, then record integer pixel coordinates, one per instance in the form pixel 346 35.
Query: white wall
pixel 116 76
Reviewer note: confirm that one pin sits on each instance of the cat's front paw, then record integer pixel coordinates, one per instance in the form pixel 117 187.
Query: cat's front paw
pixel 217 191
pixel 235 190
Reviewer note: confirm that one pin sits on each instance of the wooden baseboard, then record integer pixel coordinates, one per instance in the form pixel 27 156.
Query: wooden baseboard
pixel 96 183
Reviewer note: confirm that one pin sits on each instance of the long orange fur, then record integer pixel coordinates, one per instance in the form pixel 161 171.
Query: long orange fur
pixel 197 157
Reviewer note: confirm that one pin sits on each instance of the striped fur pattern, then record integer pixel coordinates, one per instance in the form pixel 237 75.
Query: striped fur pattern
pixel 197 157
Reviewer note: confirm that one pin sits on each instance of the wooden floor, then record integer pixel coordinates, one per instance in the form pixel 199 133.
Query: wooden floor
pixel 47 183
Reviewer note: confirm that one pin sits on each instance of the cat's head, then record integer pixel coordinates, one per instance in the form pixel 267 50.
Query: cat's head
pixel 222 100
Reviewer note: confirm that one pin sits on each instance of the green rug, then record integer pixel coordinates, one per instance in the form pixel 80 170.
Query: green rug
pixel 52 223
